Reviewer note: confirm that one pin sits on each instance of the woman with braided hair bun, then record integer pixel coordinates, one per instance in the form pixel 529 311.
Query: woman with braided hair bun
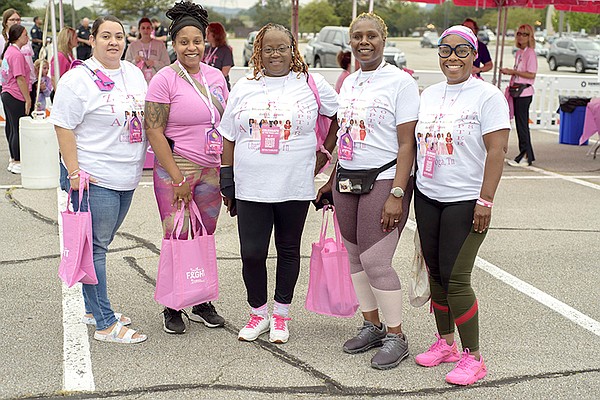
pixel 183 110
pixel 269 123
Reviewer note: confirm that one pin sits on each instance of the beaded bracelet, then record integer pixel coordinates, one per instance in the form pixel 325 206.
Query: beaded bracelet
pixel 180 184
pixel 74 174
pixel 484 203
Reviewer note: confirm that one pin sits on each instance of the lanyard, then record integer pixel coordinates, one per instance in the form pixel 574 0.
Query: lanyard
pixel 440 115
pixel 146 52
pixel 211 54
pixel 207 101
pixel 100 67
pixel 266 90
pixel 362 86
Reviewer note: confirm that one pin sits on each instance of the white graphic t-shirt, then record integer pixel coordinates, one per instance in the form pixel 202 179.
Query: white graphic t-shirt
pixel 372 104
pixel 108 126
pixel 452 122
pixel 272 122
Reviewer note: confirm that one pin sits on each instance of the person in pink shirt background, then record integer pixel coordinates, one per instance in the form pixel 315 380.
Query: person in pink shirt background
pixel 16 88
pixel 66 42
pixel 343 59
pixel 525 69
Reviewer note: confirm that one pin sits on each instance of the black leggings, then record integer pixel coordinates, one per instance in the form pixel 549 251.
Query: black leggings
pixel 521 106
pixel 14 109
pixel 450 246
pixel 255 224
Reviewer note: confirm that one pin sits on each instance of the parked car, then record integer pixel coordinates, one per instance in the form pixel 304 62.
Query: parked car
pixel 322 51
pixel 574 52
pixel 248 48
pixel 483 37
pixel 540 50
pixel 430 39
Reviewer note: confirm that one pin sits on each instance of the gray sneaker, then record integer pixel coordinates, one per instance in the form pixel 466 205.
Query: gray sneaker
pixel 369 336
pixel 394 350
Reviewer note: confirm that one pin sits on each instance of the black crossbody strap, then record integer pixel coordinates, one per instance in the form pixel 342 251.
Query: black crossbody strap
pixel 387 166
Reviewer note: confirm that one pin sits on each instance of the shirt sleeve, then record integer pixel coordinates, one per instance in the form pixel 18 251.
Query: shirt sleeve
pixel 19 65
pixel 327 95
pixel 484 54
pixel 494 113
pixel 227 57
pixel 227 125
pixel 407 102
pixel 159 90
pixel 531 64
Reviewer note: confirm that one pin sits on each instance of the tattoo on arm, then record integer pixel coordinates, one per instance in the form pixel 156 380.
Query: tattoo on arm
pixel 156 116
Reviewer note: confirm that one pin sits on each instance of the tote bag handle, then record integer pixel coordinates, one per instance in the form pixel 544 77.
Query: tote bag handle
pixel 84 178
pixel 325 224
pixel 179 221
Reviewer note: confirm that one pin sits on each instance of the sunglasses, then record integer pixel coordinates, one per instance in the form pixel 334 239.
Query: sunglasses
pixel 461 50
pixel 522 34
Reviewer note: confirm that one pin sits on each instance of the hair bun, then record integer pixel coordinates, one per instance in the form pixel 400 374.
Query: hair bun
pixel 187 8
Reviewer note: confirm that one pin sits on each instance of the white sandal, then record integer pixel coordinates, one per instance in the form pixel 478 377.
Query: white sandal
pixel 113 336
pixel 120 318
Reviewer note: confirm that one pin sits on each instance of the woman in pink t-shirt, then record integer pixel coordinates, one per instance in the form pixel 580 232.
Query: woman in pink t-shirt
pixel 16 86
pixel 524 72
pixel 66 42
pixel 183 107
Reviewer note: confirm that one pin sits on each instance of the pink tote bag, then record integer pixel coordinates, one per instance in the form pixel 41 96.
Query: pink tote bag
pixel 77 261
pixel 330 289
pixel 187 269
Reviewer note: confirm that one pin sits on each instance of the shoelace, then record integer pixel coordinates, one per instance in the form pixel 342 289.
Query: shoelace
pixel 254 321
pixel 466 361
pixel 389 343
pixel 365 330
pixel 280 322
pixel 436 346
pixel 167 311
pixel 210 308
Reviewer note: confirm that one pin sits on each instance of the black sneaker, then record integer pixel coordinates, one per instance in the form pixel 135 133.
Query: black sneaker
pixel 206 314
pixel 173 322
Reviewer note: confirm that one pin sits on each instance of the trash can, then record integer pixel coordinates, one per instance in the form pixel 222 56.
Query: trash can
pixel 572 117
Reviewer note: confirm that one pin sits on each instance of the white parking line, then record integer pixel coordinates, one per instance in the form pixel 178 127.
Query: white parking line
pixel 541 297
pixel 77 360
pixel 568 178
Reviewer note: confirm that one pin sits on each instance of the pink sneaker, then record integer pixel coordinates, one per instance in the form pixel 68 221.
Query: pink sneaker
pixel 438 353
pixel 467 371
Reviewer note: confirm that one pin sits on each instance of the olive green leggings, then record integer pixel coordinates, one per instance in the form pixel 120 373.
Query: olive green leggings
pixel 450 247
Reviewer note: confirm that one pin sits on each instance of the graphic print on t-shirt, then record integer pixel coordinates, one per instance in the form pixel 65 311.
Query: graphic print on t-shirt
pixel 132 120
pixel 359 117
pixel 270 127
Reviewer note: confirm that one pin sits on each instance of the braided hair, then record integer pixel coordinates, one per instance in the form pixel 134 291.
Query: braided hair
pixel 382 27
pixel 297 65
pixel 186 13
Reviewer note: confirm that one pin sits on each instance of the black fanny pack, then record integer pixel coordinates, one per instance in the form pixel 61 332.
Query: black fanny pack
pixel 358 181
pixel 516 89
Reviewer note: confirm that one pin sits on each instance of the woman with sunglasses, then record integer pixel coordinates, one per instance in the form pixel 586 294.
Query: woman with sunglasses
pixel 97 117
pixel 269 124
pixel 454 196
pixel 524 72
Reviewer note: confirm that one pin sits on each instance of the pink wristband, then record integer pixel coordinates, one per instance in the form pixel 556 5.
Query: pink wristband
pixel 485 203
pixel 180 184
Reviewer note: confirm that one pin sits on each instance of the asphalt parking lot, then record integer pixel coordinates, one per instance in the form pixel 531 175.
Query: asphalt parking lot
pixel 537 280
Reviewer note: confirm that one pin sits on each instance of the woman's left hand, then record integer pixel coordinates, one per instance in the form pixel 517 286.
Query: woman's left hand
pixel 481 218
pixel 507 71
pixel 391 213
pixel 150 63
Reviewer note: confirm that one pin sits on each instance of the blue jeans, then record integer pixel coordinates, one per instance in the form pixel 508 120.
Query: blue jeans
pixel 109 208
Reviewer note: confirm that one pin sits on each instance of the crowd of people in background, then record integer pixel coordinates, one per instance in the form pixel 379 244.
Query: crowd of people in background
pixel 253 147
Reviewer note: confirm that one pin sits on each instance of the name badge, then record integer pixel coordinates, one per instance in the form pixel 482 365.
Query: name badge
pixel 429 164
pixel 135 129
pixel 214 141
pixel 346 147
pixel 269 139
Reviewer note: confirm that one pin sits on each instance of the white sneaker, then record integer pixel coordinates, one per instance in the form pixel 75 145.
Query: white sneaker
pixel 11 163
pixel 16 168
pixel 255 327
pixel 279 329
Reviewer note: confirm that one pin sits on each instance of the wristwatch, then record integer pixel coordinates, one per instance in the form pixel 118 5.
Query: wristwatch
pixel 397 192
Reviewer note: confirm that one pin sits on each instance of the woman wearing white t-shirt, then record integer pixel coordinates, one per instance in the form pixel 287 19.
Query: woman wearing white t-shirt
pixel 269 131
pixel 99 132
pixel 468 123
pixel 378 110
pixel 150 55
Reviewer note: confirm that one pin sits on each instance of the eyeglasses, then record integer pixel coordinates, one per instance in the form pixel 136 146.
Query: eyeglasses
pixel 522 34
pixel 14 19
pixel 461 50
pixel 281 50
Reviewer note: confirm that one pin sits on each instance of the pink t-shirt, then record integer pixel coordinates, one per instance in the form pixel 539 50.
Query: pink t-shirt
pixel 340 80
pixel 526 61
pixel 189 116
pixel 64 63
pixel 13 65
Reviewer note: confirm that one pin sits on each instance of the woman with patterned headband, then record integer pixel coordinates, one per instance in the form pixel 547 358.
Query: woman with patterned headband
pixel 454 194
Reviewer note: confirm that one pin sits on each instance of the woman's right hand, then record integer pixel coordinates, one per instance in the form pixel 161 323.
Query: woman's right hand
pixel 326 188
pixel 27 106
pixel 181 193
pixel 74 182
